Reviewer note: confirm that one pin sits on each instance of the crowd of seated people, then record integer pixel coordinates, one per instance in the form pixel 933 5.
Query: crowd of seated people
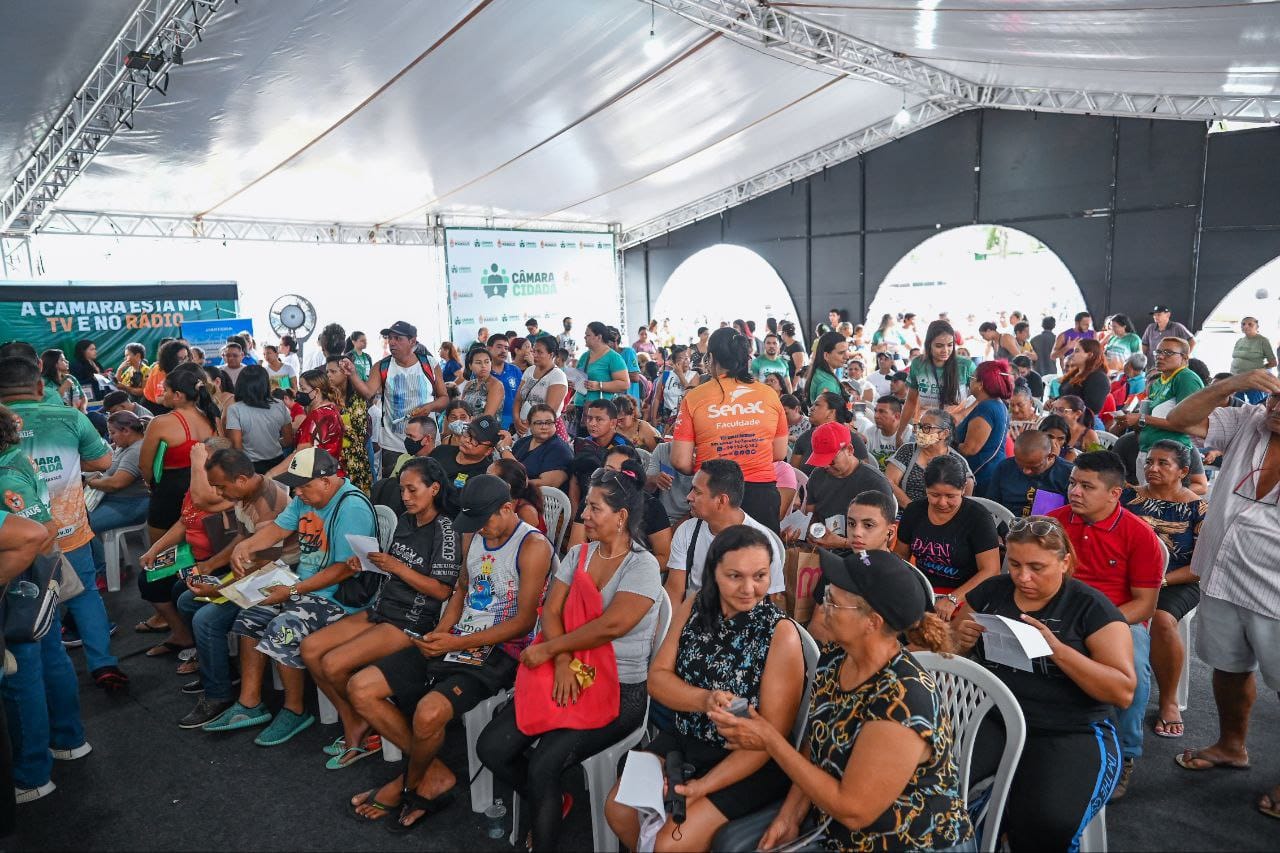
pixel 481 585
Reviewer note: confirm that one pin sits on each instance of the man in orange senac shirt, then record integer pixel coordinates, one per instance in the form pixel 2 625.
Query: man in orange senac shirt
pixel 732 416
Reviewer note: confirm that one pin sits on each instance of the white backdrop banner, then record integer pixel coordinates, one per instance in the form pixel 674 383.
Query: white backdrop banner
pixel 499 279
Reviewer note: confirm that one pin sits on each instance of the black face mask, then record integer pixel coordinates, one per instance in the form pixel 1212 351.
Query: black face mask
pixel 412 445
pixel 303 398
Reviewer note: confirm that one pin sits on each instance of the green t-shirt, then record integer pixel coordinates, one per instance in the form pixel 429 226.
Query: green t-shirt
pixel 56 438
pixel 25 494
pixel 926 379
pixel 823 381
pixel 762 367
pixel 1162 396
pixel 1123 346
pixel 363 363
pixel 600 370
pixel 1251 353
pixel 52 396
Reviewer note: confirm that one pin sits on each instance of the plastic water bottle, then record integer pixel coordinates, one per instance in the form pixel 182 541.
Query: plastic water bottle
pixel 24 589
pixel 496 815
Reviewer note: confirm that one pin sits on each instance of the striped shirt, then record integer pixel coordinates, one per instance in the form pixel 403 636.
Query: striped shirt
pixel 1235 555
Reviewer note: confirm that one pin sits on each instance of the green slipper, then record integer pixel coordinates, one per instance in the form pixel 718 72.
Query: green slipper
pixel 350 755
pixel 238 717
pixel 283 727
pixel 338 746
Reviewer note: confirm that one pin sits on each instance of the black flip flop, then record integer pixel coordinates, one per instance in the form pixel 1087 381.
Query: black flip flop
pixel 370 799
pixel 413 802
pixel 143 628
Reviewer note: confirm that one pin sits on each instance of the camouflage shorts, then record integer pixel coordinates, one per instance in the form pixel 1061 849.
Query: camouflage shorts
pixel 280 630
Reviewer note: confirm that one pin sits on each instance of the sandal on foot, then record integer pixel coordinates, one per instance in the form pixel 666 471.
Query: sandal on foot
pixel 1268 806
pixel 411 802
pixel 338 746
pixel 168 647
pixel 1187 761
pixel 145 627
pixel 371 745
pixel 370 798
pixel 1162 726
pixel 188 667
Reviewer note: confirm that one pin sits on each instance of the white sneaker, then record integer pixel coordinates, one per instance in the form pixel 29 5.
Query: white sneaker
pixel 72 754
pixel 30 795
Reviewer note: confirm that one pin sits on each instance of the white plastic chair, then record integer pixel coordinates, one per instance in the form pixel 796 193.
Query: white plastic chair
pixel 557 511
pixel 600 771
pixel 1000 513
pixel 1106 439
pixel 1049 379
pixel 115 545
pixel 387 522
pixel 1094 837
pixel 967 693
pixel 474 722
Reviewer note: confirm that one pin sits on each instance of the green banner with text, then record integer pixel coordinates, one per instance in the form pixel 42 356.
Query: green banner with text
pixel 49 315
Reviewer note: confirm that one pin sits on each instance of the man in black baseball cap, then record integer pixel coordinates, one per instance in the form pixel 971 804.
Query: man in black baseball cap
pixel 888 584
pixel 419 389
pixel 1164 326
pixel 482 497
pixel 474 455
pixel 401 329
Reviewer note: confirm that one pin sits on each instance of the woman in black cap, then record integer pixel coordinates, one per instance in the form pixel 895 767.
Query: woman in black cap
pixel 878 770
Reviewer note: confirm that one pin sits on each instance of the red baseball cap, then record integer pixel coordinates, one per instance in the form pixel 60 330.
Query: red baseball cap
pixel 828 440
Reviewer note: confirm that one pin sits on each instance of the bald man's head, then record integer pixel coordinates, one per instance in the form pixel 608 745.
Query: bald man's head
pixel 1033 452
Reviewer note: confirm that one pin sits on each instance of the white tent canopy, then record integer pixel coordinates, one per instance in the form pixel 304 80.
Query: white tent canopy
pixel 387 111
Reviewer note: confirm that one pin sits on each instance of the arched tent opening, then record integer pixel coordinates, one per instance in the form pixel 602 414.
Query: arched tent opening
pixel 1257 296
pixel 978 273
pixel 724 282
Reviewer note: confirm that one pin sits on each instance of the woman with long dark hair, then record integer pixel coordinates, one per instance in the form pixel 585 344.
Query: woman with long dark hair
pixel 1086 375
pixel 732 416
pixel 831 354
pixel 422 566
pixel 1079 418
pixel 56 372
pixel 354 347
pixel 726 642
pixel 257 423
pixel 85 367
pixel 168 357
pixel 321 426
pixel 355 426
pixel 629 585
pixel 482 392
pixel 527 496
pixel 938 377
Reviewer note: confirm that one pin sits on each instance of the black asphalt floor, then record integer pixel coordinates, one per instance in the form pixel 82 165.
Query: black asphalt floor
pixel 149 785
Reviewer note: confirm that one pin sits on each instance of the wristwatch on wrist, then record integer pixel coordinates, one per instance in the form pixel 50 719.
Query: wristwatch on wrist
pixel 504 448
pixel 949 597
pixel 294 595
pixel 1142 420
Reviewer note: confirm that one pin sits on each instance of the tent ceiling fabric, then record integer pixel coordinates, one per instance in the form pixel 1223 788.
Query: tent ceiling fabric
pixel 47 49
pixel 329 111
pixel 1184 47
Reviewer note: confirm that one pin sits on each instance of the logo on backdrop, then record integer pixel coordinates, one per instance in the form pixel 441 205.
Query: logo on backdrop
pixel 497 282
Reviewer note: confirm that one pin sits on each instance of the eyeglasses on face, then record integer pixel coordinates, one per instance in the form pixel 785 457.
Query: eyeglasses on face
pixel 830 604
pixel 930 429
pixel 542 423
pixel 1166 353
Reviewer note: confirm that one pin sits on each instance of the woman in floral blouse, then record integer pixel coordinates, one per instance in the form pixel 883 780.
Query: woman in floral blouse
pixel 877 770
pixel 729 641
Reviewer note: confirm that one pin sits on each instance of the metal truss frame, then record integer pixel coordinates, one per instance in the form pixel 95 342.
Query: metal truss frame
pixel 89 223
pixel 104 103
pixel 827 49
pixel 429 233
pixel 920 116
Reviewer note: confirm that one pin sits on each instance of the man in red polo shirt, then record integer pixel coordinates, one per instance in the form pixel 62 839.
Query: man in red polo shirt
pixel 1117 554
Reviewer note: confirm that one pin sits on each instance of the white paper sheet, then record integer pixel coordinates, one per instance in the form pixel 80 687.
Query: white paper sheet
pixel 252 589
pixel 797 520
pixel 363 546
pixel 1010 642
pixel 641 789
